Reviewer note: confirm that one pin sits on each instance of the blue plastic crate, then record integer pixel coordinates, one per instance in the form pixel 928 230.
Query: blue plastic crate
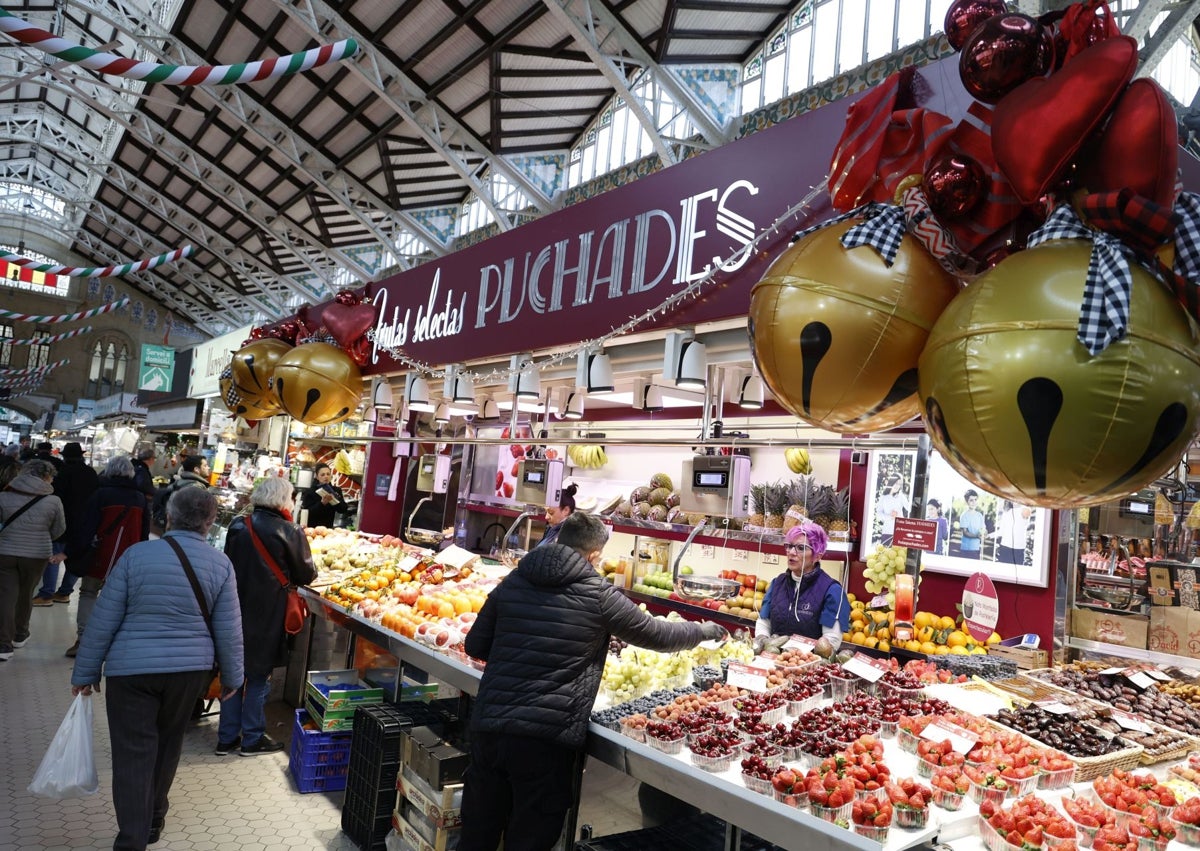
pixel 318 748
pixel 320 784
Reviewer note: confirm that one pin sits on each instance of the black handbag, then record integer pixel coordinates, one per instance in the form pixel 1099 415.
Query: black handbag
pixel 195 583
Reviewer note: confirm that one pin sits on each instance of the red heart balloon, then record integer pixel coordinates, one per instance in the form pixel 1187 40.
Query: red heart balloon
pixel 348 322
pixel 1139 147
pixel 1039 127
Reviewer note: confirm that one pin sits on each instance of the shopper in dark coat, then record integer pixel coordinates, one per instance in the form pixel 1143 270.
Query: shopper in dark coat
pixel 264 603
pixel 116 517
pixel 324 499
pixel 141 471
pixel 544 633
pixel 75 483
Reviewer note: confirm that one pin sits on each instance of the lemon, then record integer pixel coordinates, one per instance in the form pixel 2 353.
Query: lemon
pixel 923 620
pixel 928 648
pixel 958 638
pixel 959 650
pixel 883 633
pixel 994 638
pixel 858 638
pixel 871 641
pixel 942 650
pixel 883 645
pixel 978 650
pixel 913 645
pixel 946 622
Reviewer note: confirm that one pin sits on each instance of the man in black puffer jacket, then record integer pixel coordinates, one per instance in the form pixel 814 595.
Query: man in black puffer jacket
pixel 544 633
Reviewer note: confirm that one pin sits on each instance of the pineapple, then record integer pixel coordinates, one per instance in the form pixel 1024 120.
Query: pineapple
pixel 758 505
pixel 777 496
pixel 820 507
pixel 798 491
pixel 839 515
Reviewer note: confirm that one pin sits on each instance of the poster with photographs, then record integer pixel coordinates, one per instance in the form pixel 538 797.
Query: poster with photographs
pixel 976 530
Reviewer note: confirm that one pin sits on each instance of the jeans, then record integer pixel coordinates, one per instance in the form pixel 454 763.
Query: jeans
pixel 18 576
pixel 244 714
pixel 50 578
pixel 89 590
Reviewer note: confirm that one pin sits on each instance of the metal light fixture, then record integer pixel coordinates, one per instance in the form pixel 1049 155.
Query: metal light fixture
pixel 523 379
pixel 574 406
pixel 693 365
pixel 458 393
pixel 647 396
pixel 599 373
pixel 750 395
pixel 381 395
pixel 441 415
pixel 416 391
pixel 488 409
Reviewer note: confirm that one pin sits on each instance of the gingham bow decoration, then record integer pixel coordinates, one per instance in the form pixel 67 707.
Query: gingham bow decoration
pixel 1104 316
pixel 882 229
pixel 1187 238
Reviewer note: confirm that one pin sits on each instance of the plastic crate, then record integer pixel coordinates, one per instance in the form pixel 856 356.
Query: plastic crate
pixel 367 831
pixel 319 748
pixel 320 778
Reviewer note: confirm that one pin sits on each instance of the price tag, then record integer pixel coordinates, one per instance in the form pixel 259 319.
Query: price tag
pixel 961 740
pixel 1130 722
pixel 1139 679
pixel 800 642
pixel 1055 707
pixel 1112 672
pixel 744 676
pixel 763 661
pixel 879 601
pixel 862 665
pixel 1158 675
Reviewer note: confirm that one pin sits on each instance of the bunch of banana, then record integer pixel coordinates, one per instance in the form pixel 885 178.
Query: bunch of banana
pixel 798 460
pixel 589 457
pixel 341 463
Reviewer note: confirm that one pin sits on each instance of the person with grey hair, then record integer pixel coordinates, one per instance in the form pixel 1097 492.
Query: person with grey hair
pixel 168 614
pixel 31 518
pixel 263 546
pixel 544 633
pixel 117 516
pixel 143 478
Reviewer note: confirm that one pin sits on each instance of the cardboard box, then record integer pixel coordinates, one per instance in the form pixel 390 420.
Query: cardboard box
pixel 443 808
pixel 340 698
pixel 1185 578
pixel 443 838
pixel 1175 630
pixel 1161 588
pixel 1109 628
pixel 331 719
pixel 433 760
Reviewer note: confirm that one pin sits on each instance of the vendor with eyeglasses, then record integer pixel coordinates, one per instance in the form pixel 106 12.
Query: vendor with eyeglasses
pixel 804 600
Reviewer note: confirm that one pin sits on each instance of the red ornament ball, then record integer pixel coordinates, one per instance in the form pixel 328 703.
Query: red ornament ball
pixel 954 184
pixel 964 15
pixel 1003 52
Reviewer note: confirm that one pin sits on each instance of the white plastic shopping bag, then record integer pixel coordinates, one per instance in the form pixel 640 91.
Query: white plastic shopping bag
pixel 68 769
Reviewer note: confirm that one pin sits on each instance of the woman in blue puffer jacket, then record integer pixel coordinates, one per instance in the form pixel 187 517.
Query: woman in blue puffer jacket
pixel 157 654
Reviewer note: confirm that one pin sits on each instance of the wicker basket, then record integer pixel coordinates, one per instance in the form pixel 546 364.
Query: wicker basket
pixel 1086 767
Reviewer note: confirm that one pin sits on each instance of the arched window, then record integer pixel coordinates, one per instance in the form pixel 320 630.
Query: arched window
pixel 106 371
pixel 6 346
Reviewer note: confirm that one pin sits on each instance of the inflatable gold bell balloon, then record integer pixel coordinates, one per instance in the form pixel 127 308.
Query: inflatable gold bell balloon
pixel 246 386
pixel 318 384
pixel 1017 405
pixel 837 334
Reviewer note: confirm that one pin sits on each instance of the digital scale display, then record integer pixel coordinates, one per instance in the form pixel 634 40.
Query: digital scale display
pixel 535 477
pixel 427 469
pixel 709 479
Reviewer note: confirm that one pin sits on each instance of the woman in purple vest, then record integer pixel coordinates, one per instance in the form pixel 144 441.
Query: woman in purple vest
pixel 805 600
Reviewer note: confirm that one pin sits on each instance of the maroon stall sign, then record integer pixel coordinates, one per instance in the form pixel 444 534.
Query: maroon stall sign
pixel 915 533
pixel 577 273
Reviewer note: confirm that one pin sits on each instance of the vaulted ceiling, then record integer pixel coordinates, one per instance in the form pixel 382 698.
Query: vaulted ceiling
pixel 290 188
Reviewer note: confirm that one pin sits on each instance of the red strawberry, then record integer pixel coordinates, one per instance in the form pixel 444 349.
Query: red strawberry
pixel 508 490
pixel 499 479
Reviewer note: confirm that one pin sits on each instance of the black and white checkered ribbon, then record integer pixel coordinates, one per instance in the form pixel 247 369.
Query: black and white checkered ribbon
pixel 883 227
pixel 1187 237
pixel 1104 317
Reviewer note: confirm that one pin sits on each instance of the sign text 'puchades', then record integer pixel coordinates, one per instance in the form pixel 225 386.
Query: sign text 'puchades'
pixel 617 263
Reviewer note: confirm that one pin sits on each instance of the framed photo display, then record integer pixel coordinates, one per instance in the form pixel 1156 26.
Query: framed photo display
pixel 977 530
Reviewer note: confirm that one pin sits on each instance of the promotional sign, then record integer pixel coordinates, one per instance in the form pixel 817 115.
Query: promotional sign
pixel 208 361
pixel 915 534
pixel 157 368
pixel 980 607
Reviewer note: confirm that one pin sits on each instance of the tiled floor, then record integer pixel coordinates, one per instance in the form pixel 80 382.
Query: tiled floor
pixel 217 803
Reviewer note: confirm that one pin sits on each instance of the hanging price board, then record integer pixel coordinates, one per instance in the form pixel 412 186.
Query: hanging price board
pixel 744 676
pixel 867 667
pixel 961 740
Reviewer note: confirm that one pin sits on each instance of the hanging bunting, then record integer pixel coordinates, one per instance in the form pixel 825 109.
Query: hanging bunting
pixel 179 75
pixel 97 271
pixel 63 317
pixel 33 370
pixel 66 335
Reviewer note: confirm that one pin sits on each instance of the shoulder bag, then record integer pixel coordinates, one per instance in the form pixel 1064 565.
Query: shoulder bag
pixel 297 609
pixel 6 523
pixel 83 565
pixel 195 583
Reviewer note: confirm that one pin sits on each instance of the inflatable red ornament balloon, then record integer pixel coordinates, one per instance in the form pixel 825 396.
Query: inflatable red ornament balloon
pixel 318 384
pixel 954 185
pixel 1015 403
pixel 836 333
pixel 964 15
pixel 1002 53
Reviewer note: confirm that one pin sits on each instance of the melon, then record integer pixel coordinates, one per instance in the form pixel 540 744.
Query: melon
pixel 658 513
pixel 639 494
pixel 642 509
pixel 661 480
pixel 658 496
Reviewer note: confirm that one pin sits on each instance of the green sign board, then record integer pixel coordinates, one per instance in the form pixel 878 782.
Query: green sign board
pixel 157 368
